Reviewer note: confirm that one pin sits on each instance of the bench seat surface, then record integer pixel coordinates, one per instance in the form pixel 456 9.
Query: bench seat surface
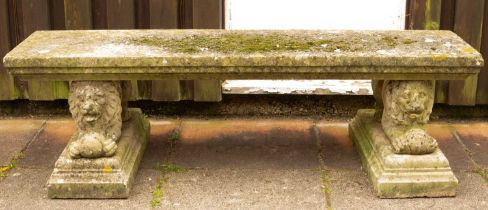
pixel 221 54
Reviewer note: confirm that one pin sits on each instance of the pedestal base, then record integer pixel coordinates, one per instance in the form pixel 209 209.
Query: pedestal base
pixel 394 175
pixel 109 177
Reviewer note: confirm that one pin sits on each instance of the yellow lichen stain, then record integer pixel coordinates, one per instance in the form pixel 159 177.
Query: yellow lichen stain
pixel 107 169
pixel 469 50
pixel 439 57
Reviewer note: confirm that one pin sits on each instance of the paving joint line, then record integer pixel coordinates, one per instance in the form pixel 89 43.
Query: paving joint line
pixel 167 167
pixel 324 171
pixel 468 152
pixel 20 154
pixel 478 168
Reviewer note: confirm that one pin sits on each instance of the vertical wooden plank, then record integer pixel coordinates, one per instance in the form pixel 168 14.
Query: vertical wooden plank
pixel 207 14
pixel 57 15
pixel 78 14
pixel 99 12
pixel 7 88
pixel 163 14
pixel 34 15
pixel 423 15
pixel 142 16
pixel 482 89
pixel 467 24
pixel 447 23
pixel 116 14
pixel 71 15
pixel 120 14
pixel 185 14
pixel 113 14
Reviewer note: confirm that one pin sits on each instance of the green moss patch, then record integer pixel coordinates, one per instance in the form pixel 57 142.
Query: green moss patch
pixel 158 193
pixel 326 187
pixel 11 165
pixel 245 43
pixel 235 42
pixel 483 172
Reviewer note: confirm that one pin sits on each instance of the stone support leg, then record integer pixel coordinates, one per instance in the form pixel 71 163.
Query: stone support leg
pixel 401 159
pixel 103 155
pixel 407 107
pixel 96 109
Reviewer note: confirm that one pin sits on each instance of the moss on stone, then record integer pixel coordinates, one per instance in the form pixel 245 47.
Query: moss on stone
pixel 408 41
pixel 245 43
pixel 390 41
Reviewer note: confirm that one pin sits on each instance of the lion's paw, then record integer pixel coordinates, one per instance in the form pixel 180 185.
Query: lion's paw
pixel 109 147
pixel 89 145
pixel 415 141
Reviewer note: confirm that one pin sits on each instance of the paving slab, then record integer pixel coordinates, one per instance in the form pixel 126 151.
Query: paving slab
pixel 159 147
pixel 475 137
pixel 337 151
pixel 15 134
pixel 244 189
pixel 350 189
pixel 452 149
pixel 46 148
pixel 256 144
pixel 26 189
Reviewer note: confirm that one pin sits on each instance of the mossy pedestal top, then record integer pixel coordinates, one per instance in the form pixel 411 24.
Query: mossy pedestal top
pixel 250 53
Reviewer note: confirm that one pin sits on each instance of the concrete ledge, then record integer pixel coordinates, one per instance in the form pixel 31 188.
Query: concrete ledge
pixel 399 176
pixel 103 177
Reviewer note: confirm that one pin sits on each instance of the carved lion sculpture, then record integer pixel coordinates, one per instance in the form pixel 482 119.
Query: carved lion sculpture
pixel 96 109
pixel 407 107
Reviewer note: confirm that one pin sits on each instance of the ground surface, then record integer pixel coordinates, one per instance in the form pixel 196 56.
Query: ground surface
pixel 214 163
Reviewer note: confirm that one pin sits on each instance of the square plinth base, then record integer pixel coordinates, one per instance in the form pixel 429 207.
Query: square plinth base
pixel 397 175
pixel 109 177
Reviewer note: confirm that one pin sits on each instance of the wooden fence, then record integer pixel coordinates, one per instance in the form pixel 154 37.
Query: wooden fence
pixel 19 18
pixel 470 21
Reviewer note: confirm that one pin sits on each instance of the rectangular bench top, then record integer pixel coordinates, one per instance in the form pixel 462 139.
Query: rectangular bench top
pixel 246 54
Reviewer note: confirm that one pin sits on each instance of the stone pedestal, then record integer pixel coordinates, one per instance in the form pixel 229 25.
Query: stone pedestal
pixel 106 177
pixel 399 175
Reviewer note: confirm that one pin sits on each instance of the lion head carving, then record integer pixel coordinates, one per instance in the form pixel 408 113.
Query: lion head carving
pixel 96 108
pixel 407 107
pixel 408 102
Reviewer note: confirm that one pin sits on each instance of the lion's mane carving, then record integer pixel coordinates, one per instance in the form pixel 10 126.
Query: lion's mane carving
pixel 96 108
pixel 408 103
pixel 407 107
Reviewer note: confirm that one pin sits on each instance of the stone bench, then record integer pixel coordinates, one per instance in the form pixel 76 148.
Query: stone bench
pixel 102 157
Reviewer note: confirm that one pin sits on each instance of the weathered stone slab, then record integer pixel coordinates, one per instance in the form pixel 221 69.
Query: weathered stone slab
pixel 106 177
pixel 265 54
pixel 399 175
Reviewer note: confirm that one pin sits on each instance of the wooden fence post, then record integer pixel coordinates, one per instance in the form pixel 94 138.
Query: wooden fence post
pixel 163 14
pixel 482 90
pixel 426 15
pixel 116 14
pixel 207 14
pixel 468 23
pixel 34 15
pixel 7 87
